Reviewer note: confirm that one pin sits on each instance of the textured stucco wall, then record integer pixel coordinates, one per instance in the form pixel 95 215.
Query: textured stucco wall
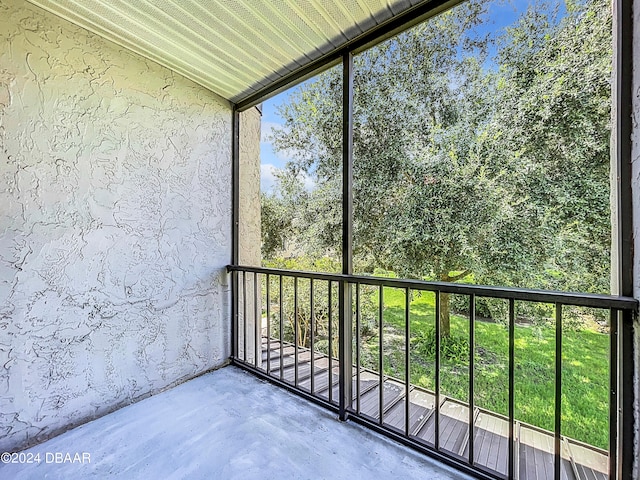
pixel 249 228
pixel 249 234
pixel 115 180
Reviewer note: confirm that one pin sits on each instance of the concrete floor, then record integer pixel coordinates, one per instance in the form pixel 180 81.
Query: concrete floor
pixel 224 425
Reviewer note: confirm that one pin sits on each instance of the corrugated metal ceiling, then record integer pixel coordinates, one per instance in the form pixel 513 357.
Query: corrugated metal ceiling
pixel 232 47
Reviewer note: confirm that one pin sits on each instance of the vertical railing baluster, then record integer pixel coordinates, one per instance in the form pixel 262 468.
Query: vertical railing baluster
pixel 258 323
pixel 351 401
pixel 330 331
pixel 613 393
pixel 312 327
pixel 437 379
pixel 558 388
pixel 380 327
pixel 244 315
pixel 358 347
pixel 295 331
pixel 472 356
pixel 280 330
pixel 512 317
pixel 235 307
pixel 268 299
pixel 407 348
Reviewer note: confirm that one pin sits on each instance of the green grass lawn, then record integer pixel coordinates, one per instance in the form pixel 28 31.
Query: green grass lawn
pixel 585 373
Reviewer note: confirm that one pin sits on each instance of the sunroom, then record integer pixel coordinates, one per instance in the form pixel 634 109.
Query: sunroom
pixel 131 264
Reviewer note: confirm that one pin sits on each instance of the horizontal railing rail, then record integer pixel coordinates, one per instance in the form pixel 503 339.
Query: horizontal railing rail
pixel 322 316
pixel 530 295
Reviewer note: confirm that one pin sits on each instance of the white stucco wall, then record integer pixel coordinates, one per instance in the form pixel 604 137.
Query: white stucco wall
pixel 115 180
pixel 249 240
pixel 249 228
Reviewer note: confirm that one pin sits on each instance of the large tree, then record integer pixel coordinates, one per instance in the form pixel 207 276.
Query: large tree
pixel 551 127
pixel 461 166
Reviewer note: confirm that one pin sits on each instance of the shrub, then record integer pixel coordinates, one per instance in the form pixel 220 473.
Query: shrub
pixel 452 347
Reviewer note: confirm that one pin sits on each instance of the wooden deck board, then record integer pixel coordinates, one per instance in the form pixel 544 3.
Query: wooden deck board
pixel 453 427
pixel 491 442
pixel 459 414
pixel 369 402
pixel 590 467
pixel 483 440
pixel 395 415
pixel 491 432
pixel 391 393
pixel 336 387
pixel 288 362
pixel 287 358
pixel 368 381
pixel 323 389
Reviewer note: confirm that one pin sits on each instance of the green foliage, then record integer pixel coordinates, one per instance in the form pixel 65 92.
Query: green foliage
pixel 585 349
pixel 299 315
pixel 275 224
pixel 585 372
pixel 452 347
pixel 496 167
pixel 550 129
pixel 467 168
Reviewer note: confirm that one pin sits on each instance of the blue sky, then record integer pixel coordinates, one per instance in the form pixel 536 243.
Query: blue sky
pixel 269 159
pixel 501 13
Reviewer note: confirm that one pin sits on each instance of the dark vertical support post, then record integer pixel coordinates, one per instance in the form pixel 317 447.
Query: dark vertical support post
pixel 613 392
pixel 437 379
pixel 257 320
pixel 380 348
pixel 296 340
pixel 407 374
pixel 330 331
pixel 345 349
pixel 280 331
pixel 268 300
pixel 312 333
pixel 235 222
pixel 624 64
pixel 558 407
pixel 624 103
pixel 358 347
pixel 472 355
pixel 234 314
pixel 512 318
pixel 345 327
pixel 244 316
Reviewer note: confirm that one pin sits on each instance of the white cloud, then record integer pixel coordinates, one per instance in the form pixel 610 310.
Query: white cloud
pixel 309 183
pixel 274 160
pixel 266 144
pixel 267 177
pixel 267 130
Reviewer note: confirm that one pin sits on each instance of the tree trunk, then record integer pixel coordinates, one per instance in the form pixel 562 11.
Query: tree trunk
pixel 445 302
pixel 445 315
pixel 445 309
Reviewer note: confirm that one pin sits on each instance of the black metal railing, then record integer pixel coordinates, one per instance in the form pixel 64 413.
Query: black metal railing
pixel 285 328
